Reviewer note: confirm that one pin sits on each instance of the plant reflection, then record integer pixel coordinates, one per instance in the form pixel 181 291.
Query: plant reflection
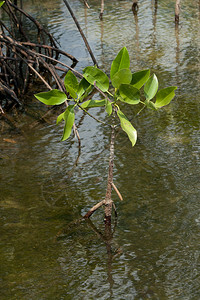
pixel 106 236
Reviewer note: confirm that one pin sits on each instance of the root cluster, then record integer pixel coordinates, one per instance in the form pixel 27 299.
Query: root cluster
pixel 24 59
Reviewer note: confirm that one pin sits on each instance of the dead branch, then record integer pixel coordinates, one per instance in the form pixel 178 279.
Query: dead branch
pixel 102 10
pixel 81 32
pixel 86 4
pixel 93 209
pixel 117 191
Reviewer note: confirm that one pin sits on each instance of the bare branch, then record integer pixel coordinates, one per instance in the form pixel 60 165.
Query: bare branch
pixel 117 191
pixel 93 209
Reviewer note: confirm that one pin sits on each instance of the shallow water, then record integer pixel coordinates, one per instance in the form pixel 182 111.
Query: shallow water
pixel 154 252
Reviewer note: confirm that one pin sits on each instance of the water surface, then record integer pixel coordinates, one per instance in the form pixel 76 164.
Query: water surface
pixel 155 246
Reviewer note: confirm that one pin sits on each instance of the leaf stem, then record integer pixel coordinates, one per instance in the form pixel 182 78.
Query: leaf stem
pixel 110 94
pixel 140 110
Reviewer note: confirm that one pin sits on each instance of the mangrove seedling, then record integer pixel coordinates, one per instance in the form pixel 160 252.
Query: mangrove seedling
pixel 125 88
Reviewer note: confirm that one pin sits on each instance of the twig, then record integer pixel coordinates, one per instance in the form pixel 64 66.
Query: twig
pixel 102 10
pixel 39 26
pixel 81 32
pixel 117 191
pixel 50 48
pixel 86 4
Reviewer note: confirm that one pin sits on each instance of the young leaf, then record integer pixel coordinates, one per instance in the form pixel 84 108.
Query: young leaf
pixel 60 118
pixel 127 127
pixel 108 108
pixel 121 61
pixel 124 76
pixel 164 96
pixel 139 78
pixel 150 104
pixel 93 103
pixel 88 90
pixel 71 84
pixel 83 86
pixel 69 118
pixel 129 94
pixel 53 97
pixel 93 74
pixel 151 87
pixel 1 3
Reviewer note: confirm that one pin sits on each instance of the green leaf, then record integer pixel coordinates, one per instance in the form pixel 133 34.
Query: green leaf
pixel 124 76
pixel 60 118
pixel 93 103
pixel 164 96
pixel 83 86
pixel 151 87
pixel 71 84
pixel 1 3
pixel 108 107
pixel 53 97
pixel 139 78
pixel 127 127
pixel 69 118
pixel 129 94
pixel 121 61
pixel 150 104
pixel 89 89
pixel 93 74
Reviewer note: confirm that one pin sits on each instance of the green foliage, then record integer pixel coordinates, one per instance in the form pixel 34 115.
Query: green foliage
pixel 140 78
pixel 93 103
pixel 123 76
pixel 71 84
pixel 108 107
pixel 84 89
pixel 151 87
pixel 122 61
pixel 1 3
pixel 60 118
pixel 94 75
pixel 127 127
pixel 127 90
pixel 69 118
pixel 129 94
pixel 164 96
pixel 53 97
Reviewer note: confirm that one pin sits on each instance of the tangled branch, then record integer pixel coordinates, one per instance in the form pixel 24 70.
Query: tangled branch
pixel 23 60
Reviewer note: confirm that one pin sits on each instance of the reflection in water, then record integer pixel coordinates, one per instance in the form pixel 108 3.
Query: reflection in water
pixel 85 14
pixel 177 50
pixel 135 10
pixel 107 238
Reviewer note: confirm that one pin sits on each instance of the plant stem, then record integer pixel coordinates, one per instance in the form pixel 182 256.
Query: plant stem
pixel 108 200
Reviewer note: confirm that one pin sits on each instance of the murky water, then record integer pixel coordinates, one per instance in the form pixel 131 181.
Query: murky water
pixel 154 251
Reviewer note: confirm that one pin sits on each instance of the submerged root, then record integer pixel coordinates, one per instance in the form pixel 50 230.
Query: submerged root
pixel 23 59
